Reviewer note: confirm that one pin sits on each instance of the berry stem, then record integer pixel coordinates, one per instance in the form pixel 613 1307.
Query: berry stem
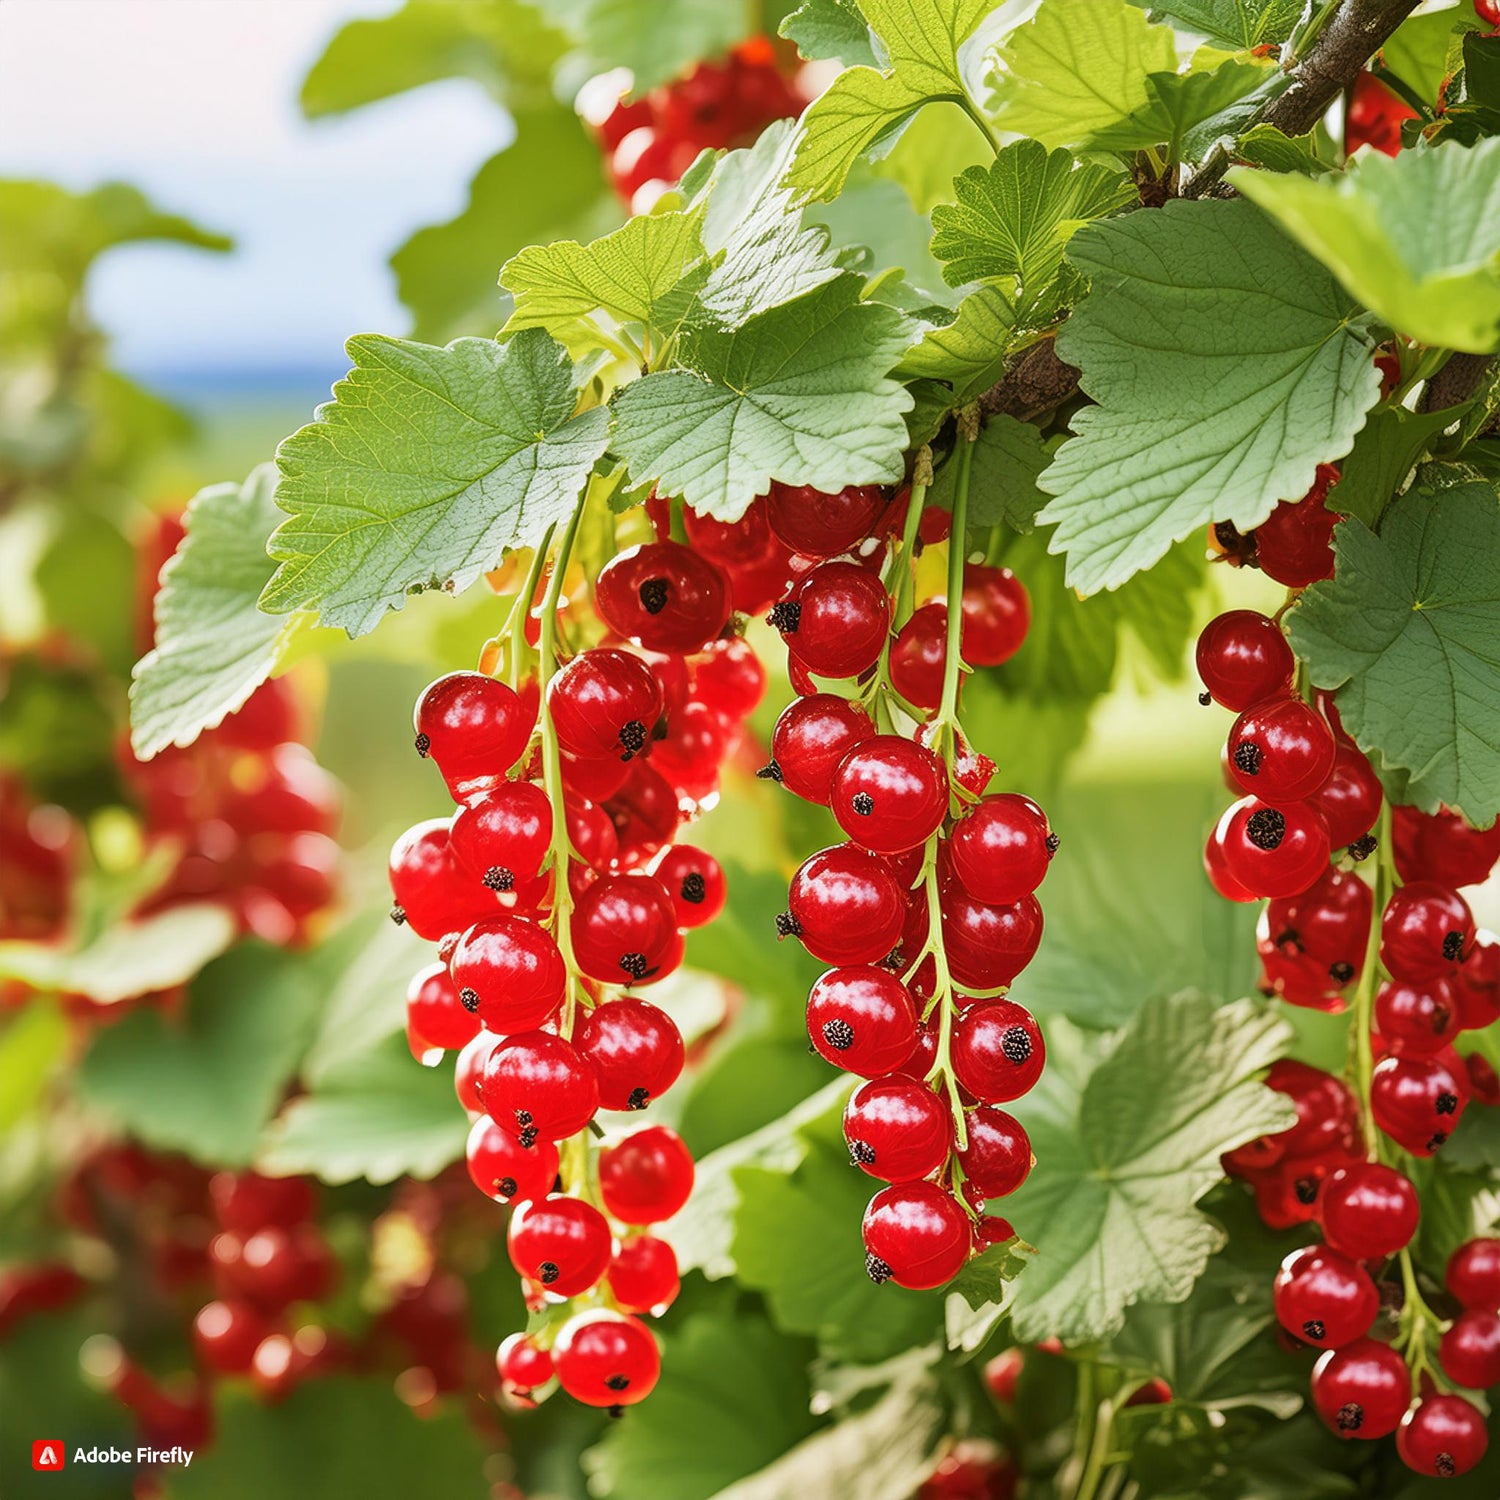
pixel 942 995
pixel 1364 995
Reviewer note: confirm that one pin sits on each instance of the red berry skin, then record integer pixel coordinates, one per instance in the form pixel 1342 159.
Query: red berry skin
pixel 1294 544
pixel 897 1129
pixel 1216 867
pixel 731 544
pixel 1476 984
pixel 919 656
pixel 916 1235
pixel 560 1244
pixel 729 679
pixel 502 1169
pixel 996 615
pixel 1324 1298
pixel 818 524
pixel 1375 116
pixel 646 1177
pixel 604 704
pixel 435 1013
pixel 227 1334
pixel 246 1201
pixel 1001 1375
pixel 635 1049
pixel 1488 11
pixel 862 1019
pixel 1350 799
pixel 623 928
pixel 468 1070
pixel 502 836
pixel 510 973
pixel 643 1275
pixel 1442 847
pixel 1361 1390
pixel 1426 931
pixel 1443 1436
pixel 433 895
pixel 539 1087
pixel 847 906
pixel 605 1358
pixel 475 729
pixel 1001 848
pixel 1417 1101
pixel 811 738
pixel 1243 658
pixel 645 812
pixel 836 620
pixel 997 1049
pixel 1417 1019
pixel 889 794
pixel 1273 851
pixel 1470 1350
pixel 1281 750
pixel 1368 1211
pixel 695 882
pixel 997 1158
pixel 1473 1274
pixel 663 596
pixel 987 945
pixel 1319 936
pixel 522 1365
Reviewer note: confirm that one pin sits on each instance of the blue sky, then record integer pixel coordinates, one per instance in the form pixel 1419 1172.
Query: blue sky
pixel 195 101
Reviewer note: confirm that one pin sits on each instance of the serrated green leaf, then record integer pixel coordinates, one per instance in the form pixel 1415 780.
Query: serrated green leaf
pixel 1180 105
pixel 799 394
pixel 921 41
pixel 1417 51
pixel 206 1083
pixel 1015 217
pixel 1266 146
pixel 1226 365
pixel 1127 1139
pixel 978 1299
pixel 969 354
pixel 1241 24
pixel 213 645
pixel 377 1115
pixel 1408 633
pixel 1414 237
pixel 655 39
pixel 427 466
pixel 830 29
pixel 1078 67
pixel 1008 457
pixel 1389 445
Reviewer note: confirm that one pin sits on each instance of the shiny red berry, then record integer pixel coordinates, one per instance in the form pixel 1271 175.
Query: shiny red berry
pixel 862 1019
pixel 819 524
pixel 1470 1350
pixel 1442 847
pixel 433 894
pixel 434 1012
pixel 987 946
pixel 997 1157
pixel 226 1335
pixel 694 880
pixel 916 1235
pixel 635 1049
pixel 1426 931
pixel 1350 799
pixel 1368 1211
pixel 729 679
pixel 835 620
pixel 561 1244
pixel 1281 750
pixel 623 928
pixel 1443 1436
pixel 1417 1019
pixel 1473 1274
pixel 1000 849
pixel 1294 544
pixel 505 1170
pixel 1273 851
pixel 1417 1101
pixel 522 1365
pixel 509 973
pixel 889 794
pixel 919 655
pixel 664 596
pixel 646 1177
pixel 605 1358
pixel 643 1274
pixel 468 1069
pixel 1324 1298
pixel 897 1129
pixel 1243 658
pixel 1361 1390
pixel 539 1087
pixel 474 728
pixel 998 1052
pixel 502 836
pixel 996 615
pixel 846 905
pixel 247 1201
pixel 811 737
pixel 604 704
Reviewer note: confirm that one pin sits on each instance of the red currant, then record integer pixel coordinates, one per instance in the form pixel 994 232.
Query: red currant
pixel 502 837
pixel 522 1365
pixel 1273 851
pixel 889 794
pixel 732 544
pixel 1470 1350
pixel 1417 1101
pixel 562 1244
pixel 897 1129
pixel 919 655
pixel 1361 1390
pixel 643 1275
pixel 1323 931
pixel 862 1019
pixel 1281 749
pixel 505 1170
pixel 246 1201
pixel 818 524
pixel 996 615
pixel 1294 544
pixel 695 882
pixel 468 1070
pixel 1442 847
pixel 537 1086
pixel 811 737
pixel 1426 930
pixel 696 743
pixel 474 727
pixel 1417 1019
pixel 997 1158
pixel 604 703
pixel 1243 658
pixel 227 1334
pixel 1368 1211
pixel 987 946
pixel 1350 799
pixel 846 905
pixel 510 973
pixel 664 596
pixel 605 1358
pixel 645 813
pixel 1443 1436
pixel 635 1049
pixel 835 621
pixel 646 1177
pixel 1001 848
pixel 1324 1298
pixel 916 1235
pixel 998 1052
pixel 1476 985
pixel 729 679
pixel 433 895
pixel 1473 1274
pixel 623 927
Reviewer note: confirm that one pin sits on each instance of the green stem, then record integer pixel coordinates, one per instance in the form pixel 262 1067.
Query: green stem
pixel 1369 979
pixel 1099 1445
pixel 515 621
pixel 982 125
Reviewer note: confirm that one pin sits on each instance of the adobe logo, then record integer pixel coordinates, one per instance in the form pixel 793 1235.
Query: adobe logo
pixel 48 1453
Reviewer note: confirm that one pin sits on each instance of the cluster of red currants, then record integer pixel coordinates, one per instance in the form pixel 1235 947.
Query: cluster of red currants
pixel 550 892
pixel 652 140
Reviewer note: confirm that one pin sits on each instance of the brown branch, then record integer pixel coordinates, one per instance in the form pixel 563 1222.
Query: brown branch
pixel 1456 381
pixel 1036 382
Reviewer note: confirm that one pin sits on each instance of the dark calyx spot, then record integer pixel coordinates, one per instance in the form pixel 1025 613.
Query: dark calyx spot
pixel 861 1154
pixel 615 1413
pixel 1351 1417
pixel 1363 848
pixel 1436 1140
pixel 895 960
pixel 787 925
pixel 1306 1189
pixel 527 1137
pixel 639 1099
pixel 632 738
pixel 1247 758
pixel 469 999
pixel 1443 1466
pixel 862 803
pixel 1453 946
pixel 876 1269
pixel 617 1382
pixel 1441 1015
pixel 1445 1104
pixel 1265 828
pixel 498 878
pixel 1015 1043
pixel 398 915
pixel 635 965
pixel 1342 971
pixel 654 594
pixel 423 745
pixel 524 1117
pixel 770 772
pixel 839 1035
pixel 693 888
pixel 1052 843
pixel 1289 941
pixel 508 1186
pixel 548 1272
pixel 785 618
pixel 1205 699
pixel 1313 1329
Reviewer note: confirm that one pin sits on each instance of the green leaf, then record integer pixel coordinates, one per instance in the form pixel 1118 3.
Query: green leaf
pixel 1226 366
pixel 979 1297
pixel 1240 24
pixel 127 958
pixel 831 28
pixel 628 275
pixel 1008 457
pixel 428 465
pixel 724 1408
pixel 921 41
pixel 1128 1138
pixel 207 1082
pixel 377 1114
pixel 213 645
pixel 799 394
pixel 1266 146
pixel 1014 217
pixel 656 39
pixel 1388 447
pixel 969 354
pixel 1079 66
pixel 1407 632
pixel 1186 112
pixel 1414 237
pixel 876 214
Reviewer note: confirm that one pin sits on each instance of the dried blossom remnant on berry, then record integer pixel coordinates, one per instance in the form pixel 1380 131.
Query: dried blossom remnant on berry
pixel 1247 758
pixel 498 878
pixel 1265 828
pixel 839 1035
pixel 694 888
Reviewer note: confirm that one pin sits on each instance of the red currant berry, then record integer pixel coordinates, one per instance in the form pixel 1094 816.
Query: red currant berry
pixel 1294 544
pixel 1321 933
pixel 1470 1350
pixel 468 1070
pixel 636 1051
pixel 643 1275
pixel 1281 750
pixel 623 927
pixel 1442 847
pixel 522 1365
pixel 1488 11
pixel 433 895
pixel 996 615
pixel 1243 658
pixel 862 1019
pixel 835 621
pixel 919 656
pixel 1001 1375
pixel 1417 1101
pixel 889 794
pixel 998 1052
pixel 645 813
pixel 1361 1390
pixel 696 743
pixel 987 946
pixel 1427 929
pixel 731 544
pixel 1443 1436
pixel 818 524
pixel 663 596
pixel 474 728
pixel 227 1334
pixel 1368 1211
pixel 916 1235
pixel 561 1244
pixel 695 882
pixel 604 704
pixel 1473 1274
pixel 1216 867
pixel 1327 1116
pixel 594 780
pixel 646 1177
pixel 592 835
pixel 897 1129
pixel 1476 985
pixel 538 1087
pixel 502 837
pixel 509 973
pixel 997 1158
pixel 846 905
pixel 605 1358
pixel 1273 851
pixel 729 679
pixel 1324 1298
pixel 811 737
pixel 1417 1019
pixel 505 1170
pixel 1000 849
pixel 1350 799
pixel 970 770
